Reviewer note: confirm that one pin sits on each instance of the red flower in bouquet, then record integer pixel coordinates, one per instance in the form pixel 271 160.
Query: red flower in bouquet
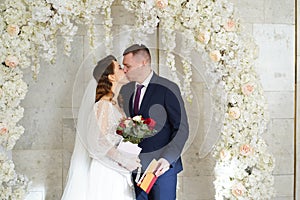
pixel 136 128
pixel 150 122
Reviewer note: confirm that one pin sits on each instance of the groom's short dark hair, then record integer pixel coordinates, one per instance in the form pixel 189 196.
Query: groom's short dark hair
pixel 136 48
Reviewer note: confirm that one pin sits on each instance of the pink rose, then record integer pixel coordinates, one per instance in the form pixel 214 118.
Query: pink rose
pixel 11 61
pixel 122 125
pixel 234 113
pixel 13 30
pixel 229 25
pixel 161 3
pixel 247 89
pixel 215 55
pixel 3 129
pixel 238 190
pixel 245 150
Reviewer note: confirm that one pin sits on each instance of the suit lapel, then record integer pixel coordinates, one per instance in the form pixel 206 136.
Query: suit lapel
pixel 131 106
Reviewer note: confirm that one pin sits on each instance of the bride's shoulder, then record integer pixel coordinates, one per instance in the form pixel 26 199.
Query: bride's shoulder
pixel 103 102
pixel 103 106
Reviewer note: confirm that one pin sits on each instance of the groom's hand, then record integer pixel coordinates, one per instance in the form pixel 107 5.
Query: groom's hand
pixel 162 167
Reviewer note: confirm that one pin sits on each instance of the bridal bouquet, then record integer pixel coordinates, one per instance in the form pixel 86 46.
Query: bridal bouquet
pixel 133 130
pixel 136 128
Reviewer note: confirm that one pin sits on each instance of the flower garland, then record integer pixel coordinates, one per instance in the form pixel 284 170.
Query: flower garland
pixel 149 14
pixel 12 91
pixel 243 168
pixel 12 185
pixel 29 29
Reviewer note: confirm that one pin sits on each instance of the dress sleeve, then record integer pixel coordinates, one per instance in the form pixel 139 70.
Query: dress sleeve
pixel 101 135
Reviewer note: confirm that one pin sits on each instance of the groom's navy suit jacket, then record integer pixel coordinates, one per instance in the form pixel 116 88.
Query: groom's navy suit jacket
pixel 162 102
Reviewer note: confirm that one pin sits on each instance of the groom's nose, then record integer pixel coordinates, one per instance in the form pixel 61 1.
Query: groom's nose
pixel 125 69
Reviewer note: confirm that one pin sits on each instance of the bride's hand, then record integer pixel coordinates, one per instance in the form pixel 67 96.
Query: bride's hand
pixel 126 160
pixel 131 163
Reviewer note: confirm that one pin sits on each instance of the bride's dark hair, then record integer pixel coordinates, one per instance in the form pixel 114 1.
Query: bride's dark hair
pixel 104 84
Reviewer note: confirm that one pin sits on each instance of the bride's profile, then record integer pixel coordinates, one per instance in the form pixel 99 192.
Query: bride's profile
pixel 98 170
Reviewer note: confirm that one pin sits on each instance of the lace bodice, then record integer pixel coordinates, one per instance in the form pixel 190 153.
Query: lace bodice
pixel 102 134
pixel 108 116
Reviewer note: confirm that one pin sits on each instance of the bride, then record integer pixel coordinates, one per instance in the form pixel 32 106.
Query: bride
pixel 98 170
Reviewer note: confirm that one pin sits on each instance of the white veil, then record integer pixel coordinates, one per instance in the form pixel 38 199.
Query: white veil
pixel 77 180
pixel 90 142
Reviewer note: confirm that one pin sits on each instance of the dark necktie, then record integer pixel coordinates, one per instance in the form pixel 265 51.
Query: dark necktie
pixel 137 98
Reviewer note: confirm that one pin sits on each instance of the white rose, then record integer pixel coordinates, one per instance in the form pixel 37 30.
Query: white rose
pixel 137 118
pixel 224 154
pixel 127 122
pixel 215 55
pixel 234 113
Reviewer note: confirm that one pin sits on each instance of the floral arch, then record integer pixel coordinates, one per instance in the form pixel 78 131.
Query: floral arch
pixel 28 31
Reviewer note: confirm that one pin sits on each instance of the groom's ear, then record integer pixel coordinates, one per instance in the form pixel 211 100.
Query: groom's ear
pixel 144 62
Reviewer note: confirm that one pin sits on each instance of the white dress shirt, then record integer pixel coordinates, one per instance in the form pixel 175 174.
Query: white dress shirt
pixel 143 90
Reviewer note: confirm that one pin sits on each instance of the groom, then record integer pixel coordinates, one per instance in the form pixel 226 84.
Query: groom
pixel 152 96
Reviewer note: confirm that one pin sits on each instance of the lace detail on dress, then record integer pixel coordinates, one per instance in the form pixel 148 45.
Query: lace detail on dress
pixel 108 117
pixel 101 134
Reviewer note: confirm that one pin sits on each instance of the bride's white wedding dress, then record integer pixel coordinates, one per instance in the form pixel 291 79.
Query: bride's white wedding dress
pixel 92 175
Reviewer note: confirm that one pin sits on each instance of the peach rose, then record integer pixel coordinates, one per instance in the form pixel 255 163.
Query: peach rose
pixel 230 25
pixel 3 129
pixel 247 89
pixel 224 154
pixel 13 30
pixel 11 61
pixel 246 150
pixel 234 113
pixel 215 55
pixel 238 190
pixel 201 37
pixel 161 3
pixel 68 7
